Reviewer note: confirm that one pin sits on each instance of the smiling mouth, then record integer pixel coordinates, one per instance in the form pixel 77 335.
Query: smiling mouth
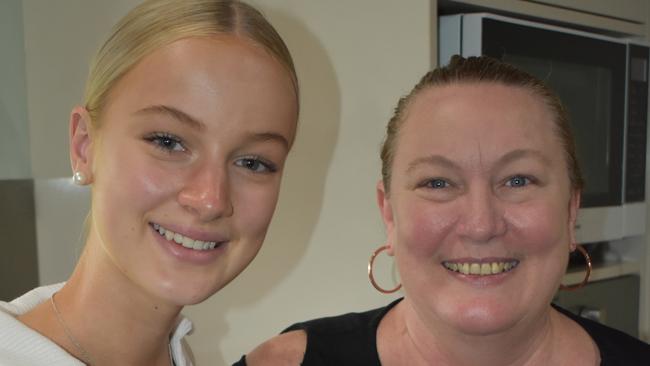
pixel 481 269
pixel 185 241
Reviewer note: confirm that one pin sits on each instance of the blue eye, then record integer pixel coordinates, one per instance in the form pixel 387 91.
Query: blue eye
pixel 256 165
pixel 166 141
pixel 517 181
pixel 437 183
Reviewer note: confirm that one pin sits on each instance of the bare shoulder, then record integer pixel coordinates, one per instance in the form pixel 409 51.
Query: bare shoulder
pixel 286 349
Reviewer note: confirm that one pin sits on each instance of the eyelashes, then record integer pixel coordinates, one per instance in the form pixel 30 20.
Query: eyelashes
pixel 166 142
pixel 514 181
pixel 519 181
pixel 436 183
pixel 256 165
pixel 170 144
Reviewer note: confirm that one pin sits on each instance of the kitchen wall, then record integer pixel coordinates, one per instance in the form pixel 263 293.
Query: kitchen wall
pixel 14 136
pixel 16 187
pixel 354 60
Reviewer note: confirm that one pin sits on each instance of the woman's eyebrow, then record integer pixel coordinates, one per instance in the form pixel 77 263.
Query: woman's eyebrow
pixel 269 136
pixel 175 113
pixel 431 160
pixel 442 161
pixel 523 153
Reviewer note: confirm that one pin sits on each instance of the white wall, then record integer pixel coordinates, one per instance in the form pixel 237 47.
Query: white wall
pixel 60 38
pixel 14 132
pixel 355 58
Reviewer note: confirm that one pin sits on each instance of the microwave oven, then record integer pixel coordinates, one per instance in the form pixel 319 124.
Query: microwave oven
pixel 603 83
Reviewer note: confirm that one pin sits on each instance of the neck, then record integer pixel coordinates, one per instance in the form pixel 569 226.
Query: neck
pixel 526 343
pixel 115 321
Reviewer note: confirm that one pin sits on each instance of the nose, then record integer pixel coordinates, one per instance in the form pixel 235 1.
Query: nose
pixel 206 193
pixel 482 216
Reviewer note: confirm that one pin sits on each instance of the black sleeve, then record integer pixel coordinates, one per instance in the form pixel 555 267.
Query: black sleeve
pixel 348 339
pixel 241 362
pixel 616 348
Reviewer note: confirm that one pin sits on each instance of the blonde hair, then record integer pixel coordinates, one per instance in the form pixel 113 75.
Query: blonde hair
pixel 485 70
pixel 156 23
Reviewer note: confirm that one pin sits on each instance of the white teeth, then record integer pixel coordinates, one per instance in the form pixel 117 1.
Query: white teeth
pixel 481 269
pixel 184 240
pixel 187 242
pixel 169 235
pixel 198 245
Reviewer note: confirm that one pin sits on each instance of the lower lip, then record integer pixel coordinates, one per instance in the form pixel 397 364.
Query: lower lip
pixel 189 255
pixel 482 281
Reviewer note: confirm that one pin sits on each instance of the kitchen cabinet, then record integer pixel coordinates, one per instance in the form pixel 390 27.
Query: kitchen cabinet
pixel 621 17
pixel 632 11
pixel 18 261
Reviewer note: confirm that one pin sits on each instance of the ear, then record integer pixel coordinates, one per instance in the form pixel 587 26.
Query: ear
pixel 386 210
pixel 574 208
pixel 81 142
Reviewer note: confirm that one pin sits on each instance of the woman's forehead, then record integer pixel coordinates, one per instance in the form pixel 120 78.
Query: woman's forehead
pixel 485 117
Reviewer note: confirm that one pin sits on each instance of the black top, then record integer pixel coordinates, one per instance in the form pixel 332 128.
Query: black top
pixel 350 339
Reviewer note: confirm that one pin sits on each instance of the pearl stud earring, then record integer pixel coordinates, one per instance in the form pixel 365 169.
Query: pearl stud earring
pixel 79 178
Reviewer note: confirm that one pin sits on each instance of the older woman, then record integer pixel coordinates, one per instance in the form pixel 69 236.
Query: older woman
pixel 190 111
pixel 479 197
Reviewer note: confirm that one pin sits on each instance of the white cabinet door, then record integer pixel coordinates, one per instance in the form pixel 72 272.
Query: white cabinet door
pixel 621 17
pixel 630 10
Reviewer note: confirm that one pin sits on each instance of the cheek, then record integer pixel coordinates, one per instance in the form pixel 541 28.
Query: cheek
pixel 254 205
pixel 130 184
pixel 422 227
pixel 539 227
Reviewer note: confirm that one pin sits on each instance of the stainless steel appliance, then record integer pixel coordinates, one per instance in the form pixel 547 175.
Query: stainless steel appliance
pixel 603 82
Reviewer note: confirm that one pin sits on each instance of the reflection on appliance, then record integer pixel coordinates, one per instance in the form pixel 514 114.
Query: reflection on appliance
pixel 613 302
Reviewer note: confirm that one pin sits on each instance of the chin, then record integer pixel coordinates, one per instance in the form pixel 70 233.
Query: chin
pixel 481 318
pixel 187 298
pixel 184 293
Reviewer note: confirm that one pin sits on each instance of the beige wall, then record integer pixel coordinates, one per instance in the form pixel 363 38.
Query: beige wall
pixel 14 133
pixel 354 59
pixel 60 38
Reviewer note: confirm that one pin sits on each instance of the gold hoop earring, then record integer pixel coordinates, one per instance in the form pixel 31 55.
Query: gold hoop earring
pixel 584 253
pixel 372 277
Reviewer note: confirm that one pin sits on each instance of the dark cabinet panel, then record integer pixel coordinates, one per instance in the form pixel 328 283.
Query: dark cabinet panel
pixel 18 255
pixel 614 302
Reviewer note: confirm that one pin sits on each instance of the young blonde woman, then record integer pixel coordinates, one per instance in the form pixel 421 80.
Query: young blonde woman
pixel 190 111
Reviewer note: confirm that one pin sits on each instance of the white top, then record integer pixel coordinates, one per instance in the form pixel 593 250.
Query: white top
pixel 23 346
